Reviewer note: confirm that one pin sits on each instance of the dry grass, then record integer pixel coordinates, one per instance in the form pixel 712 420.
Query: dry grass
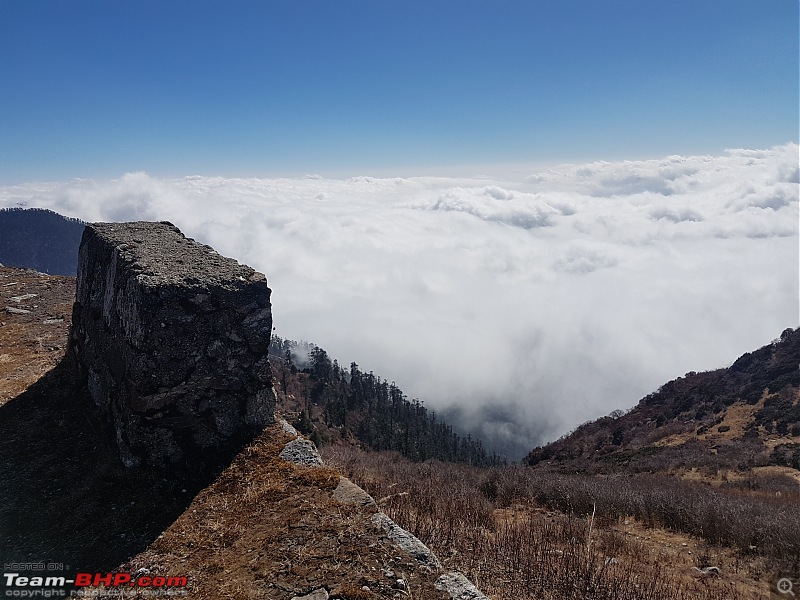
pixel 730 426
pixel 270 529
pixel 521 533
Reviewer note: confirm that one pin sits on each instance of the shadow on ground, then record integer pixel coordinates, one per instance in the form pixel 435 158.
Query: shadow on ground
pixel 65 497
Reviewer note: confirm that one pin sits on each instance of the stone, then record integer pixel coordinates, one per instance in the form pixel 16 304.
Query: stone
pixel 287 427
pixel 318 594
pixel 458 587
pixel 407 541
pixel 301 451
pixel 19 299
pixel 348 492
pixel 165 333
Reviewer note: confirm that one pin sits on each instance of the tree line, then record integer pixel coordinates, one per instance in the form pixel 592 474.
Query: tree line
pixel 352 403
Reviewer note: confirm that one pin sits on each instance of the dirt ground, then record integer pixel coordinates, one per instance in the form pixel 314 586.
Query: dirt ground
pixel 35 314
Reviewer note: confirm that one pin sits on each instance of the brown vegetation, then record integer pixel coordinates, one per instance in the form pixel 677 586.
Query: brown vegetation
pixel 270 529
pixel 520 532
pixel 730 418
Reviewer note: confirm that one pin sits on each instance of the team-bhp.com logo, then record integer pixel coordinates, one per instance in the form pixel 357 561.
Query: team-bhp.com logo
pixel 27 586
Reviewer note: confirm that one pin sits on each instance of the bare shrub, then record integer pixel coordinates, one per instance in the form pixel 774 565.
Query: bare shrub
pixel 519 532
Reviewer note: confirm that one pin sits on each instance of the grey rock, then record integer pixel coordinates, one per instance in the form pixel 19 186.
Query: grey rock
pixel 23 297
pixel 348 492
pixel 458 587
pixel 319 594
pixel 286 426
pixel 17 311
pixel 166 333
pixel 302 452
pixel 407 542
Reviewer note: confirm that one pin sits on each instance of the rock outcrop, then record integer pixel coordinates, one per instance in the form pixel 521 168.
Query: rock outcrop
pixel 454 584
pixel 171 339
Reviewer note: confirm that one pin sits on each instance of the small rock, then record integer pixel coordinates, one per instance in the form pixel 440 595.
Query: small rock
pixel 318 594
pixel 17 311
pixel 407 541
pixel 21 298
pixel 400 584
pixel 302 452
pixel 288 428
pixel 458 587
pixel 348 492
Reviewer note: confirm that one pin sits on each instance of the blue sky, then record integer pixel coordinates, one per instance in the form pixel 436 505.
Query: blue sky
pixel 98 88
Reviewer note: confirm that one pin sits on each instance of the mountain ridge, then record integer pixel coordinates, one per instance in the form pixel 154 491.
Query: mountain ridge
pixel 744 415
pixel 38 238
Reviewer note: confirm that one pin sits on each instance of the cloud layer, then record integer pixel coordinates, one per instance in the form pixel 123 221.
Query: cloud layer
pixel 521 308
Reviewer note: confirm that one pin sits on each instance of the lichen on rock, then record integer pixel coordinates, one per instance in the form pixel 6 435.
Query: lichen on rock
pixel 172 341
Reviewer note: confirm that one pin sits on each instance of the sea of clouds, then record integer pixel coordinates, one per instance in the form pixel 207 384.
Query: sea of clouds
pixel 518 308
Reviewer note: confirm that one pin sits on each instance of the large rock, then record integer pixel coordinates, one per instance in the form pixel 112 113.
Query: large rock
pixel 171 339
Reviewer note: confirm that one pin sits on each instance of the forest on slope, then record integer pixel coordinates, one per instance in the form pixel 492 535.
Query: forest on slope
pixel 330 403
pixel 40 239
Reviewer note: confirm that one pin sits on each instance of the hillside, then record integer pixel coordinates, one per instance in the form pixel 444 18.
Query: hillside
pixel 331 404
pixel 738 418
pixel 268 524
pixel 263 528
pixel 40 239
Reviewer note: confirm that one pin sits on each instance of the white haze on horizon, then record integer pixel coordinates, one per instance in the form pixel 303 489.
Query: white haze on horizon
pixel 529 305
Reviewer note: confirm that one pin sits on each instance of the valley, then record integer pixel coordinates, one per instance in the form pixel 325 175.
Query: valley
pixel 674 499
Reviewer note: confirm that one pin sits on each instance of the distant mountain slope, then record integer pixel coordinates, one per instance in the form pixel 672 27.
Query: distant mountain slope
pixel 329 404
pixel 745 416
pixel 40 239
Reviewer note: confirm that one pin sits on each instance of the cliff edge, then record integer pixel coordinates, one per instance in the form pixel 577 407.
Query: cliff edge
pixel 171 339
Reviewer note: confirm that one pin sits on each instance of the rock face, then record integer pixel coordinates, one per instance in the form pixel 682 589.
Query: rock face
pixel 171 339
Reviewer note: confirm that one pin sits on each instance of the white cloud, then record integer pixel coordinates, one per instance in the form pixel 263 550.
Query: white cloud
pixel 558 297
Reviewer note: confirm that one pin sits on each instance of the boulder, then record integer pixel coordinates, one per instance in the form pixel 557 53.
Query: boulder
pixel 171 339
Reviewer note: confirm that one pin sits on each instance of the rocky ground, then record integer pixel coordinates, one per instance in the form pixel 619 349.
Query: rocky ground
pixel 35 314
